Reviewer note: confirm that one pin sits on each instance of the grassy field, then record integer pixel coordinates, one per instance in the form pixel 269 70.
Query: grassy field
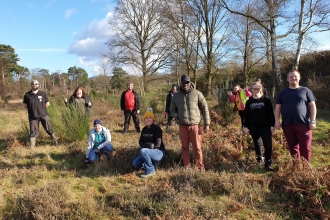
pixel 51 182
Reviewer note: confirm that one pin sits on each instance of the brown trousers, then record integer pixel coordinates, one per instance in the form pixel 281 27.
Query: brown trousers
pixel 191 134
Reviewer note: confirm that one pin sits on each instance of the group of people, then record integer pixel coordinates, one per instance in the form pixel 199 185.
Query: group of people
pixel 188 106
pixel 296 105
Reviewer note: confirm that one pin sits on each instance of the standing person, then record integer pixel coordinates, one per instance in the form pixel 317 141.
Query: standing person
pixel 264 87
pixel 239 97
pixel 36 102
pixel 168 104
pixel 297 106
pixel 99 142
pixel 259 121
pixel 152 148
pixel 187 106
pixel 80 101
pixel 130 106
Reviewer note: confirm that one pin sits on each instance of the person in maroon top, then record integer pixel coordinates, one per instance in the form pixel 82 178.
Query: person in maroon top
pixel 130 107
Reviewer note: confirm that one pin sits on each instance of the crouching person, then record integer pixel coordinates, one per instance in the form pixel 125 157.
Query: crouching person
pixel 99 142
pixel 152 149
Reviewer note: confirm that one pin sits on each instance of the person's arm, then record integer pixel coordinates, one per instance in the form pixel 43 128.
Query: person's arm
pixel 88 102
pixel 90 145
pixel 25 105
pixel 277 116
pixel 248 93
pixel 202 105
pixel 107 138
pixel 158 137
pixel 231 96
pixel 312 112
pixel 137 102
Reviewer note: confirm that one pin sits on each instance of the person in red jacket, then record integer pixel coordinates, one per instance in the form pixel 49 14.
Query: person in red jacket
pixel 130 107
pixel 239 97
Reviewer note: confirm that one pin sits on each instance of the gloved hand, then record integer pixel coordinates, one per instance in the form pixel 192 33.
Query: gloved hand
pixel 166 114
pixel 97 151
pixel 86 161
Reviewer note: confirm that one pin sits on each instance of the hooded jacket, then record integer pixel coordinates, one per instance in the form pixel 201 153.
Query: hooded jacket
pixel 188 106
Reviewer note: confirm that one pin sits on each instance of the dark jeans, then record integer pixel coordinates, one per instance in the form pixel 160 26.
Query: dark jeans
pixel 264 134
pixel 135 116
pixel 34 126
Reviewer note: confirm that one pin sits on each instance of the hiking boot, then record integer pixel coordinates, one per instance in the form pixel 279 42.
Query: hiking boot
pixel 260 160
pixel 124 132
pixel 269 168
pixel 54 139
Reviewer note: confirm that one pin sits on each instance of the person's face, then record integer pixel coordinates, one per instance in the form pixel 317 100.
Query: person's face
pixel 35 86
pixel 256 89
pixel 236 88
pixel 148 121
pixel 98 128
pixel 79 93
pixel 174 90
pixel 185 85
pixel 130 86
pixel 293 78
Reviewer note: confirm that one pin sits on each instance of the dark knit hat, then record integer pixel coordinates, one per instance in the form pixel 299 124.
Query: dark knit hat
pixel 97 121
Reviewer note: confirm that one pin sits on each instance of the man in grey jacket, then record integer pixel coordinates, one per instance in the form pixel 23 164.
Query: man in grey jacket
pixel 188 106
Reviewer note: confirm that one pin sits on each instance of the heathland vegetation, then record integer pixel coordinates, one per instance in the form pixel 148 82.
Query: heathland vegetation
pixel 51 182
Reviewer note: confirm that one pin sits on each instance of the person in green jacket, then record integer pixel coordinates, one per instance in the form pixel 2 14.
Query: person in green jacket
pixel 188 106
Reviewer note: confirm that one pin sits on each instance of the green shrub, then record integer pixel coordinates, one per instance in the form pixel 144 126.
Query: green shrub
pixel 23 134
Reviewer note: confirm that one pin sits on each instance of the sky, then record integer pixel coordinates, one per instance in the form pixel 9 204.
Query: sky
pixel 57 34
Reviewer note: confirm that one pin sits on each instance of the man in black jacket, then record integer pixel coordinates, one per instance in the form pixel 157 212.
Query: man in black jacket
pixel 168 104
pixel 130 106
pixel 36 102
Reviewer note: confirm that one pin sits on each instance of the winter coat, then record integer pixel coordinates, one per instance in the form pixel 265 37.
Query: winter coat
pixel 91 139
pixel 187 106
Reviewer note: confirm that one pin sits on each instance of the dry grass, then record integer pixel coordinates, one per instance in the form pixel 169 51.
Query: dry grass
pixel 53 183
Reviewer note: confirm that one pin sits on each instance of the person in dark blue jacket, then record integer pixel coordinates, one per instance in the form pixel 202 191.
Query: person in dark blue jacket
pixel 168 104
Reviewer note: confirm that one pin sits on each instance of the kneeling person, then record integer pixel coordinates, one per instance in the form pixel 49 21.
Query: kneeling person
pixel 99 141
pixel 152 148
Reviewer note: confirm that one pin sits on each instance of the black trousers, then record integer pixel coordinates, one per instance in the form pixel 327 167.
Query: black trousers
pixel 264 134
pixel 128 114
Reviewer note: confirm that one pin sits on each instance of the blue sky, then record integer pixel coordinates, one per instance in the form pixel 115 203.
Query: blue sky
pixel 56 34
pixel 59 34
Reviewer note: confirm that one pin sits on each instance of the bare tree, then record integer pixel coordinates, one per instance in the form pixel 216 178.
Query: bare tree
pixel 267 17
pixel 186 34
pixel 214 23
pixel 140 37
pixel 313 17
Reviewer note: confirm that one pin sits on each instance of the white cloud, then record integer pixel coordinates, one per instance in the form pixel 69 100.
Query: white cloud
pixel 50 3
pixel 69 12
pixel 90 43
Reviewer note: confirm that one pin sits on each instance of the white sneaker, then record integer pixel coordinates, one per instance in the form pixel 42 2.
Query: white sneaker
pixel 147 175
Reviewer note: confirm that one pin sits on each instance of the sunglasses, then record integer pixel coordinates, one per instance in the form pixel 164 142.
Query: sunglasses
pixel 34 84
pixel 186 82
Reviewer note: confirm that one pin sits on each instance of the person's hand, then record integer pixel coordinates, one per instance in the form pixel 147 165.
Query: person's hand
pixel 152 145
pixel 166 114
pixel 206 128
pixel 272 129
pixel 89 103
pixel 312 126
pixel 65 100
pixel 246 130
pixel 246 88
pixel 97 151
pixel 122 111
pixel 229 92
pixel 277 125
pixel 138 111
pixel 86 161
